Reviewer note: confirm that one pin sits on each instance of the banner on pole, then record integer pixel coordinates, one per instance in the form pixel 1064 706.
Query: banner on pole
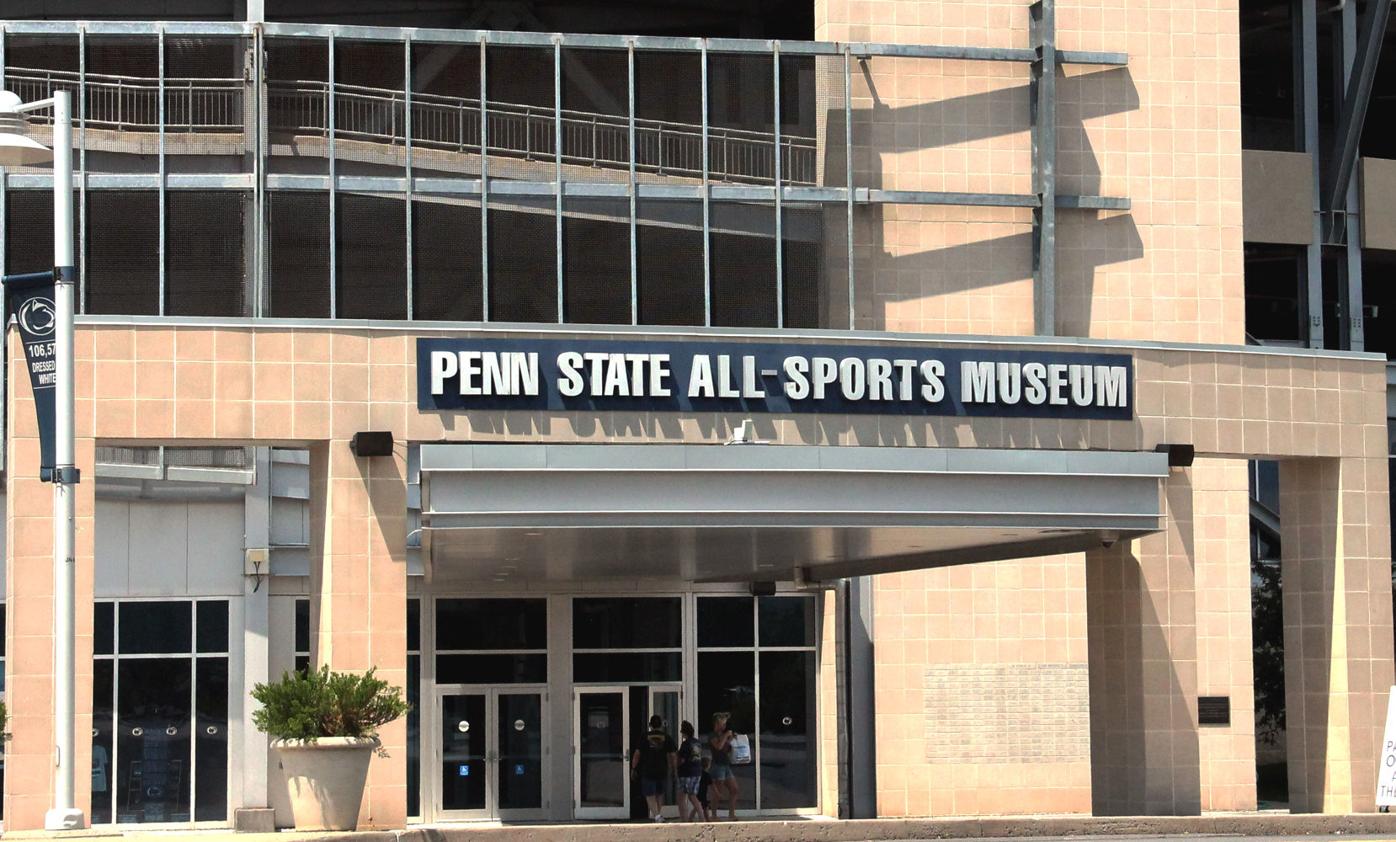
pixel 29 300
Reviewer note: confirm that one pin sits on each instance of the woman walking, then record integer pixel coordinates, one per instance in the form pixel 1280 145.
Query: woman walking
pixel 724 781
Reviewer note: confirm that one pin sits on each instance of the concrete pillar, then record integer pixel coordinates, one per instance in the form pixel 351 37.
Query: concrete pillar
pixel 1336 583
pixel 1224 654
pixel 1142 639
pixel 358 594
pixel 29 755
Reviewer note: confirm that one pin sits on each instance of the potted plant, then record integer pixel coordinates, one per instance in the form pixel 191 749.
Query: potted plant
pixel 324 729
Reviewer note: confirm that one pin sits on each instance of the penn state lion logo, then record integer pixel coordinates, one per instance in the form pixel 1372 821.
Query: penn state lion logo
pixel 36 316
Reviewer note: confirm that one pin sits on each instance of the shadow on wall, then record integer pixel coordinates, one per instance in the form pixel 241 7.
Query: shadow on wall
pixel 903 285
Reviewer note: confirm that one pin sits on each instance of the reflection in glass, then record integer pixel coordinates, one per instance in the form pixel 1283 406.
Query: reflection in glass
pixel 213 626
pixel 463 736
pixel 520 768
pixel 725 621
pixel 786 620
pixel 211 737
pixel 103 678
pixel 471 624
pixel 152 744
pixel 727 683
pixel 602 767
pixel 627 623
pixel 787 734
pixel 151 628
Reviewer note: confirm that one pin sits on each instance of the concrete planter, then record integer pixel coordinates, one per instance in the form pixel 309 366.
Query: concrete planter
pixel 325 779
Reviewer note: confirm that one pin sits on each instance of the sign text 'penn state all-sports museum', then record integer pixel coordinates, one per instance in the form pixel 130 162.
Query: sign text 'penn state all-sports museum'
pixel 660 376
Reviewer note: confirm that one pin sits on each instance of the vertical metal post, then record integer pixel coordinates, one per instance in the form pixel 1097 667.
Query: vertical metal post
pixel 1043 114
pixel 707 193
pixel 160 129
pixel 407 153
pixel 848 166
pixel 557 177
pixel 484 189
pixel 82 170
pixel 776 162
pixel 1314 253
pixel 634 207
pixel 1356 338
pixel 64 813
pixel 334 198
pixel 1313 280
pixel 259 173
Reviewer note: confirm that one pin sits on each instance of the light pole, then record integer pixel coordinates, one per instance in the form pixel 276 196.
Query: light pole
pixel 16 148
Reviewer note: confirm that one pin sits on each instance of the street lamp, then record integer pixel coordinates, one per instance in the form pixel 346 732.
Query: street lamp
pixel 16 148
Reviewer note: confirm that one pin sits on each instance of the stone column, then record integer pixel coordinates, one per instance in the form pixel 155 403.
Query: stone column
pixel 1336 582
pixel 1142 634
pixel 358 594
pixel 1224 652
pixel 29 758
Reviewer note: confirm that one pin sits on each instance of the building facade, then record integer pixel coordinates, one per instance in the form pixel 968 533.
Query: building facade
pixel 877 373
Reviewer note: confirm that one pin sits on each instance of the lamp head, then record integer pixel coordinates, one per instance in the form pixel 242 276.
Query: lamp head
pixel 17 149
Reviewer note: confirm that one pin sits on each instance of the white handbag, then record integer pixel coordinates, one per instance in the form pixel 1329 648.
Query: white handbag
pixel 741 750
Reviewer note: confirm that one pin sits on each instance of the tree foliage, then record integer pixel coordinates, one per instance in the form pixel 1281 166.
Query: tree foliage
pixel 1268 642
pixel 319 703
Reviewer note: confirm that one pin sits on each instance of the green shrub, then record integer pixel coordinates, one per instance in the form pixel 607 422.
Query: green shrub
pixel 320 703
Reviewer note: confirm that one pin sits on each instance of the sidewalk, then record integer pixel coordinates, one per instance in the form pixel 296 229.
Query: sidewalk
pixel 811 830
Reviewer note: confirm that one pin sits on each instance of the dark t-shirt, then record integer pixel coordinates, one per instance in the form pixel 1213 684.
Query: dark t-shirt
pixel 690 758
pixel 654 754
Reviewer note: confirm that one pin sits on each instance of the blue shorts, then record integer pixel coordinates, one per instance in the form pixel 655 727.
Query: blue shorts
pixel 651 786
pixel 720 771
pixel 689 785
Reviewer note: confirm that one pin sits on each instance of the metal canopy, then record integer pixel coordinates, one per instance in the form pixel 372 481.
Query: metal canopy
pixel 531 513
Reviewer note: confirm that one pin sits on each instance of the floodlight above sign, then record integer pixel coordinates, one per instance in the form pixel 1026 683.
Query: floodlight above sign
pixel 669 376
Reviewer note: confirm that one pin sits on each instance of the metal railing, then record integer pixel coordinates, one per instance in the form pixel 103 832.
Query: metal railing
pixel 528 132
pixel 132 103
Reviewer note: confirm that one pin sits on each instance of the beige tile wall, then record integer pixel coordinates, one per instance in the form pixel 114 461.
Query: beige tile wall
pixel 952 646
pixel 310 386
pixel 1221 537
pixel 1163 131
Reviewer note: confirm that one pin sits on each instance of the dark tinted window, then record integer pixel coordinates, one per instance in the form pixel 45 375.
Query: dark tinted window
pixel 624 623
pixel 212 627
pixel 627 666
pixel 414 625
pixel 725 621
pixel 149 628
pixel 786 620
pixel 1275 296
pixel 103 614
pixel 491 669
pixel 302 625
pixel 491 624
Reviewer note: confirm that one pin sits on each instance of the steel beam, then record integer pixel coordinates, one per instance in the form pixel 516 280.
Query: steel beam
pixel 1361 75
pixel 1043 117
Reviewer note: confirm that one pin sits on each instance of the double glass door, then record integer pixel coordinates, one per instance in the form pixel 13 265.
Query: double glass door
pixel 490 758
pixel 611 724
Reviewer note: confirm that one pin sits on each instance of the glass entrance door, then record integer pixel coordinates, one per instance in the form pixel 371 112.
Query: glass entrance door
pixel 490 758
pixel 602 773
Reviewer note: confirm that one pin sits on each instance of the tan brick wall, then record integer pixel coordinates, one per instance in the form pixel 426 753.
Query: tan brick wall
pixel 954 645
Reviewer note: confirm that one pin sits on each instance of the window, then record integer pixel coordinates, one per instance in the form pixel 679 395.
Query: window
pixel 756 662
pixel 1276 299
pixel 160 711
pixel 414 715
pixel 627 639
pixel 491 641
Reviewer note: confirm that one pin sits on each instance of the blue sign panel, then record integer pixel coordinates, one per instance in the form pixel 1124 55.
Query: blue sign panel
pixel 463 770
pixel 668 376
